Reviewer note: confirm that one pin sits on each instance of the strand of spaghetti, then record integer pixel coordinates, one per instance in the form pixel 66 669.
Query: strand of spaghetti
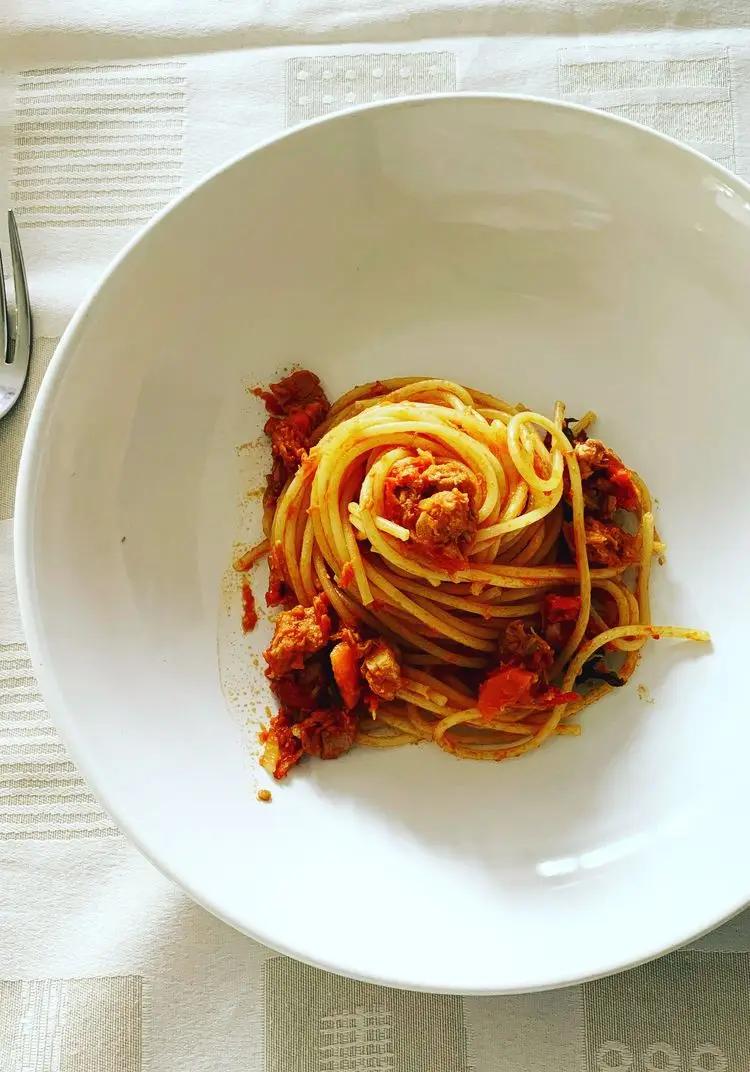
pixel 481 398
pixel 356 520
pixel 491 413
pixel 644 574
pixel 374 389
pixel 395 740
pixel 267 519
pixel 460 686
pixel 422 418
pixel 494 596
pixel 521 717
pixel 625 672
pixel 643 493
pixel 482 740
pixel 397 531
pixel 517 492
pixel 441 623
pixel 301 519
pixel 385 548
pixel 422 387
pixel 275 533
pixel 413 723
pixel 484 610
pixel 372 494
pixel 436 695
pixel 512 543
pixel 440 736
pixel 355 557
pixel 619 594
pixel 420 701
pixel 291 559
pixel 321 540
pixel 248 558
pixel 553 528
pixel 467 617
pixel 288 497
pixel 525 555
pixel 529 577
pixel 523 456
pixel 335 596
pixel 373 487
pixel 439 654
pixel 344 407
pixel 489 752
pixel 487 632
pixel 284 528
pixel 470 735
pixel 391 713
pixel 581 425
pixel 305 560
pixel 463 603
pixel 351 612
pixel 654 632
pixel 512 596
pixel 405 423
pixel 455 718
pixel 328 477
pixel 434 684
pixel 334 454
pixel 345 416
pixel 390 719
pixel 503 576
pixel 582 563
pixel 420 724
pixel 628 612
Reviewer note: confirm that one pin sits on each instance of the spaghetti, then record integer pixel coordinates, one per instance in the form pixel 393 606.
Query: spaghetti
pixel 453 569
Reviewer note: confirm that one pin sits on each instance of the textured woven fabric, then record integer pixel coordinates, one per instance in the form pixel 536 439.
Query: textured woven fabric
pixel 13 426
pixel 104 965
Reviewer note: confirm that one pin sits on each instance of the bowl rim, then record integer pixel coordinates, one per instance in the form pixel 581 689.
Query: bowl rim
pixel 23 528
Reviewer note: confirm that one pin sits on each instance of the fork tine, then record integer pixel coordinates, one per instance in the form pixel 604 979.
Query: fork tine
pixel 22 344
pixel 4 355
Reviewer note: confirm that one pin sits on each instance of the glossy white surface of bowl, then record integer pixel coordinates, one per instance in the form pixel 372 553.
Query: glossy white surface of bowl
pixel 532 249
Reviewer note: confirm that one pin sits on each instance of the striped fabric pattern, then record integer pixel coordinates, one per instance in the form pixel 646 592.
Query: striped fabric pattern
pixel 13 425
pixel 42 795
pixel 686 1011
pixel 686 97
pixel 42 1022
pixel 317 1022
pixel 98 145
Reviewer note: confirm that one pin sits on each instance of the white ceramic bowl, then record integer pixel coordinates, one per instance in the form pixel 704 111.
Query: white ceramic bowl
pixel 531 248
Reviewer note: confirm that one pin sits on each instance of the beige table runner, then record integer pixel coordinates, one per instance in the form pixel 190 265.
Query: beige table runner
pixel 106 111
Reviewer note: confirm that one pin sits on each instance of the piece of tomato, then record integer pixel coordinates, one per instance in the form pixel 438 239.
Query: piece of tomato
pixel 559 608
pixel 249 613
pixel 625 490
pixel 512 686
pixel 509 686
pixel 346 672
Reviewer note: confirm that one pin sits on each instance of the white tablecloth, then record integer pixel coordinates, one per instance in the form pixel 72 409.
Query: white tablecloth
pixel 107 109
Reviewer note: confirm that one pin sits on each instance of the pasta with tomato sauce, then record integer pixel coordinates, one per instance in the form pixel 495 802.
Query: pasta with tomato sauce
pixel 452 568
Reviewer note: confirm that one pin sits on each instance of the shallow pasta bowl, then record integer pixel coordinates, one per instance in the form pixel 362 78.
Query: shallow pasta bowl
pixel 531 249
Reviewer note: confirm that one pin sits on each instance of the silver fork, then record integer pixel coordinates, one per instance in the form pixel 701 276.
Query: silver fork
pixel 15 349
